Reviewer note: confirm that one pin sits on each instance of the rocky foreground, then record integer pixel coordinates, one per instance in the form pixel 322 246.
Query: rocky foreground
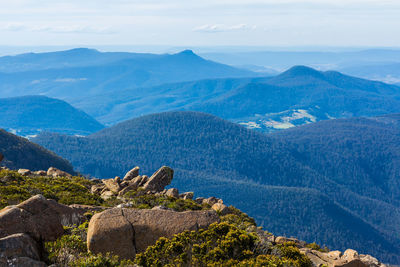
pixel 53 218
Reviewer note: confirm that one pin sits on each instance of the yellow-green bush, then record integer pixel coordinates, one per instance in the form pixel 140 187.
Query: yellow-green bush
pixel 290 251
pixel 219 244
pixel 315 246
pixel 144 201
pixel 15 188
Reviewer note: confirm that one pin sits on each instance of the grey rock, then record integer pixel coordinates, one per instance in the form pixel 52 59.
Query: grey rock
pixel 107 195
pixel 221 208
pixel 126 231
pixel 144 180
pixel 132 174
pixel 187 195
pixel 210 201
pixel 112 185
pixel 159 180
pixel 172 192
pixel 39 217
pixel 97 188
pixel 110 231
pixel 19 245
pixel 199 200
pixel 54 172
pixel 24 172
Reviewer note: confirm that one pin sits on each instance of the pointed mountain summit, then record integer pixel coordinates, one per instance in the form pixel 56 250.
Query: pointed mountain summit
pixel 299 71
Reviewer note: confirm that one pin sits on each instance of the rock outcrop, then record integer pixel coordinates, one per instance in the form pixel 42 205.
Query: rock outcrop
pixel 113 185
pixel 54 172
pixel 132 174
pixel 1 157
pixel 110 231
pixel 133 181
pixel 220 208
pixel 172 192
pixel 159 180
pixel 19 245
pixel 24 172
pixel 349 258
pixel 127 231
pixel 42 219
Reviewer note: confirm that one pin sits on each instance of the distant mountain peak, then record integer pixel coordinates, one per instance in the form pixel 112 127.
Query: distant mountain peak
pixel 81 50
pixel 187 54
pixel 302 71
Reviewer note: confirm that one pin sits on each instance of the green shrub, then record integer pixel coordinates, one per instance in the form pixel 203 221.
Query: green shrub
pixel 100 261
pixel 290 251
pixel 142 201
pixel 219 244
pixel 71 250
pixel 15 188
pixel 315 246
pixel 238 218
pixel 70 246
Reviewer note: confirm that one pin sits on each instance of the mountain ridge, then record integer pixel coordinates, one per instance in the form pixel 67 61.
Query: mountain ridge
pixel 29 115
pixel 20 153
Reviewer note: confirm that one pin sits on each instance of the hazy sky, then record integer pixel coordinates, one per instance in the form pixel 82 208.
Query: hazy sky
pixel 200 22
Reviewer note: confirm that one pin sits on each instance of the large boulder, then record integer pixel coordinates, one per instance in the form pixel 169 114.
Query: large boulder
pixel 112 185
pixel 131 174
pixel 159 180
pixel 126 231
pixel 54 172
pixel 97 188
pixel 134 184
pixel 19 245
pixel 187 195
pixel 39 217
pixel 110 231
pixel 172 192
pixel 221 208
pixel 24 172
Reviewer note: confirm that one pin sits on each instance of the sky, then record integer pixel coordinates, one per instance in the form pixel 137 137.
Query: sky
pixel 286 23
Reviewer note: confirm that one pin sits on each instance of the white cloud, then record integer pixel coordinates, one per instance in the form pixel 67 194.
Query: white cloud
pixel 207 22
pixel 19 27
pixel 223 28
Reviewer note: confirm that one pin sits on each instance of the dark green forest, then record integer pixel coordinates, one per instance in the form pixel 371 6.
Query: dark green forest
pixel 279 179
pixel 18 153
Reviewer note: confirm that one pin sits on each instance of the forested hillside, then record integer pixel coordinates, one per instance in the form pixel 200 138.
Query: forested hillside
pixel 18 153
pixel 298 96
pixel 278 179
pixel 29 115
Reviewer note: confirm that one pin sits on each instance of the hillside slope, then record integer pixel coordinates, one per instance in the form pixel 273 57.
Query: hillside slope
pixel 73 74
pixel 303 95
pixel 29 115
pixel 214 156
pixel 20 153
pixel 298 96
